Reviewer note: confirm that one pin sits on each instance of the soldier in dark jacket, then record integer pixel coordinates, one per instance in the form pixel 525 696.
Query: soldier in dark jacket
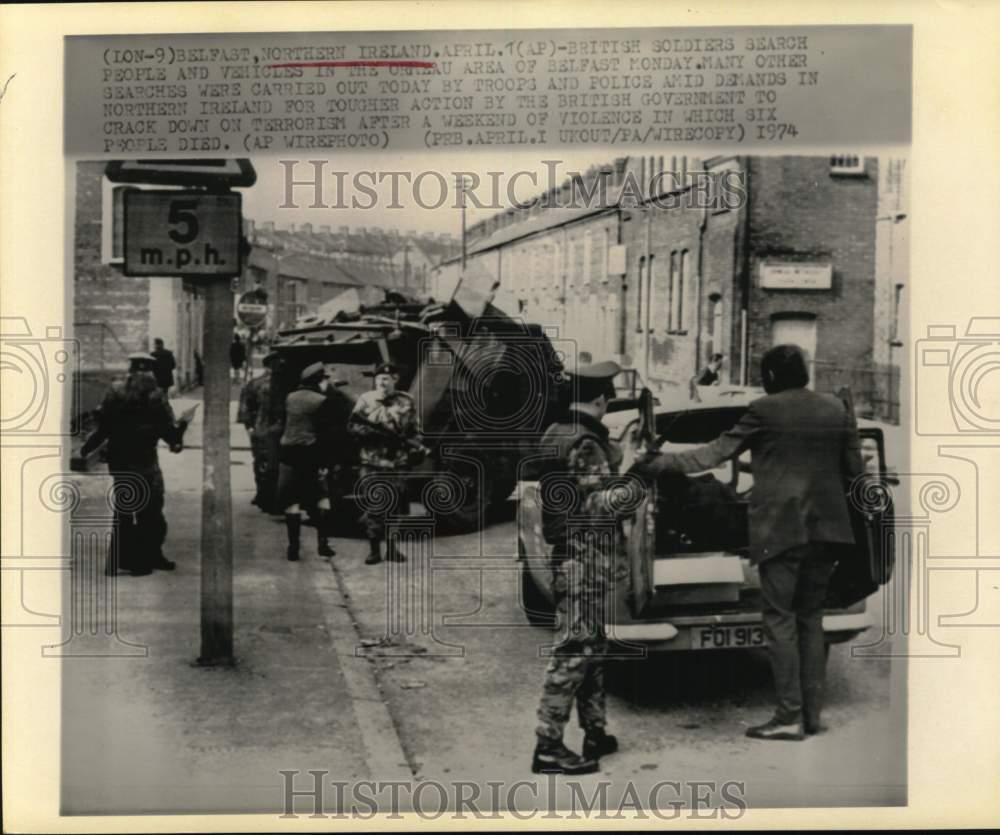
pixel 312 419
pixel 133 418
pixel 805 452
pixel 581 512
pixel 263 423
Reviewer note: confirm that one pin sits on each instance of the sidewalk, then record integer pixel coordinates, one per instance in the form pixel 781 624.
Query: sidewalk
pixel 159 734
pixel 238 439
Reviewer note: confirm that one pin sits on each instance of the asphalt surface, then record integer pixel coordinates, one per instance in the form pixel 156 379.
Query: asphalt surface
pixel 425 670
pixel 463 686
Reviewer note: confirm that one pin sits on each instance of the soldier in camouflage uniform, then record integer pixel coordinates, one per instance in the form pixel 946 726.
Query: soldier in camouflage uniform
pixel 263 423
pixel 580 519
pixel 385 423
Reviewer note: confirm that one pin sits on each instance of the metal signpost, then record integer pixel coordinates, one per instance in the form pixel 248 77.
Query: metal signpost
pixel 196 233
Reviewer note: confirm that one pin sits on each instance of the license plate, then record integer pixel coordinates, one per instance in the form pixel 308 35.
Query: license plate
pixel 726 637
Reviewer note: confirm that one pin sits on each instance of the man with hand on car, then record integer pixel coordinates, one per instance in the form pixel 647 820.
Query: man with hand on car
pixel 581 512
pixel 805 453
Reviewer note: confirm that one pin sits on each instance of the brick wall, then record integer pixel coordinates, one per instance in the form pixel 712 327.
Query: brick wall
pixel 800 212
pixel 110 311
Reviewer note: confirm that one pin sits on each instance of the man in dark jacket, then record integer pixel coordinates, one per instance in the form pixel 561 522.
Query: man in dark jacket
pixel 262 420
pixel 805 453
pixel 164 367
pixel 237 356
pixel 133 418
pixel 314 421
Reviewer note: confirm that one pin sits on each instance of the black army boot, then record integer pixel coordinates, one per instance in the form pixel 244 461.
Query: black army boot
pixel 552 757
pixel 323 545
pixel 293 522
pixel 374 554
pixel 598 744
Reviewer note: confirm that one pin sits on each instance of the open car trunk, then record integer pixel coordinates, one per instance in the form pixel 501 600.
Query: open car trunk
pixel 689 543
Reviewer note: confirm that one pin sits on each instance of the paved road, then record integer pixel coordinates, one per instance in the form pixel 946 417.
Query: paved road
pixel 336 675
pixel 463 687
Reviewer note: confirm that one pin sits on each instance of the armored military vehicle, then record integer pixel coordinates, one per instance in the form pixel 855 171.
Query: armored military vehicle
pixel 485 386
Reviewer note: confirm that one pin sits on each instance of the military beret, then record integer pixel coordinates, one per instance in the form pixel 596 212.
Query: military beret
pixel 312 372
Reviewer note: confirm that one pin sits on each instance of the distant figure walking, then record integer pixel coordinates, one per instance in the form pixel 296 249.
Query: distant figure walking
pixel 237 356
pixel 163 370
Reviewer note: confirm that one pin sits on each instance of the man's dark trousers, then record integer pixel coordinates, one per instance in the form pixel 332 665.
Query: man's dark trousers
pixel 793 585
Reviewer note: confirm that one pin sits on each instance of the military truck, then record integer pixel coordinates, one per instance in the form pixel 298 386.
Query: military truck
pixel 485 386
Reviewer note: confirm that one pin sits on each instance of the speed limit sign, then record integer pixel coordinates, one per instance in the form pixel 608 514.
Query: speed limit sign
pixel 182 233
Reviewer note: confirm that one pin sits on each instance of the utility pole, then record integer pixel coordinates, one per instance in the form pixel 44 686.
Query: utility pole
pixel 216 499
pixel 195 233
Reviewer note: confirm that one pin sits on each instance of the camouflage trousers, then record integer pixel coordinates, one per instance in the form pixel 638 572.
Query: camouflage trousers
pixel 575 672
pixel 265 471
pixel 381 493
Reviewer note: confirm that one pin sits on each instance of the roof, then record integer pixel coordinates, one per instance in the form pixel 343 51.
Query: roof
pixel 300 265
pixel 546 218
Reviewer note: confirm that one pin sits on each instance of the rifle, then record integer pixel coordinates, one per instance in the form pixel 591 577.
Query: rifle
pixel 646 433
pixel 388 434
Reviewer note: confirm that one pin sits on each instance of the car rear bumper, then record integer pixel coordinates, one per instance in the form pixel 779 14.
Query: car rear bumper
pixel 680 633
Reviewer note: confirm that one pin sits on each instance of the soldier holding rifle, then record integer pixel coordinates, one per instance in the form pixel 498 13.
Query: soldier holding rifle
pixel 582 505
pixel 385 423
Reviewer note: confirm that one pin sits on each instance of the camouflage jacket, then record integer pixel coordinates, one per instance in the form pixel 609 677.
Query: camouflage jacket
pixel 397 419
pixel 256 412
pixel 574 491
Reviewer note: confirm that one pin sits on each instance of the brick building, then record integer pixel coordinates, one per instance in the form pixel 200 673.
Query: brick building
pixel 303 267
pixel 659 280
pixel 115 315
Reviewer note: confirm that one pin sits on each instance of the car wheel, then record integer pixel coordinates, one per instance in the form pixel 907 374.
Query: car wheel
pixel 537 607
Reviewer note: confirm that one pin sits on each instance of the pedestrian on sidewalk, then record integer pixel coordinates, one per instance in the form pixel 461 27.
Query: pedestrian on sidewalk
pixel 384 422
pixel 263 423
pixel 580 519
pixel 165 365
pixel 133 417
pixel 199 369
pixel 805 454
pixel 237 356
pixel 302 452
pixel 708 376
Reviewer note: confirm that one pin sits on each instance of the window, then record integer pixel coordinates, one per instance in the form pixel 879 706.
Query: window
pixel 678 267
pixel 640 292
pixel 897 298
pixel 655 293
pixel 847 164
pixel 588 257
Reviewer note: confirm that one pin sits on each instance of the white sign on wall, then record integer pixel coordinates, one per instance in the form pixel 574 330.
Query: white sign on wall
pixel 796 276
